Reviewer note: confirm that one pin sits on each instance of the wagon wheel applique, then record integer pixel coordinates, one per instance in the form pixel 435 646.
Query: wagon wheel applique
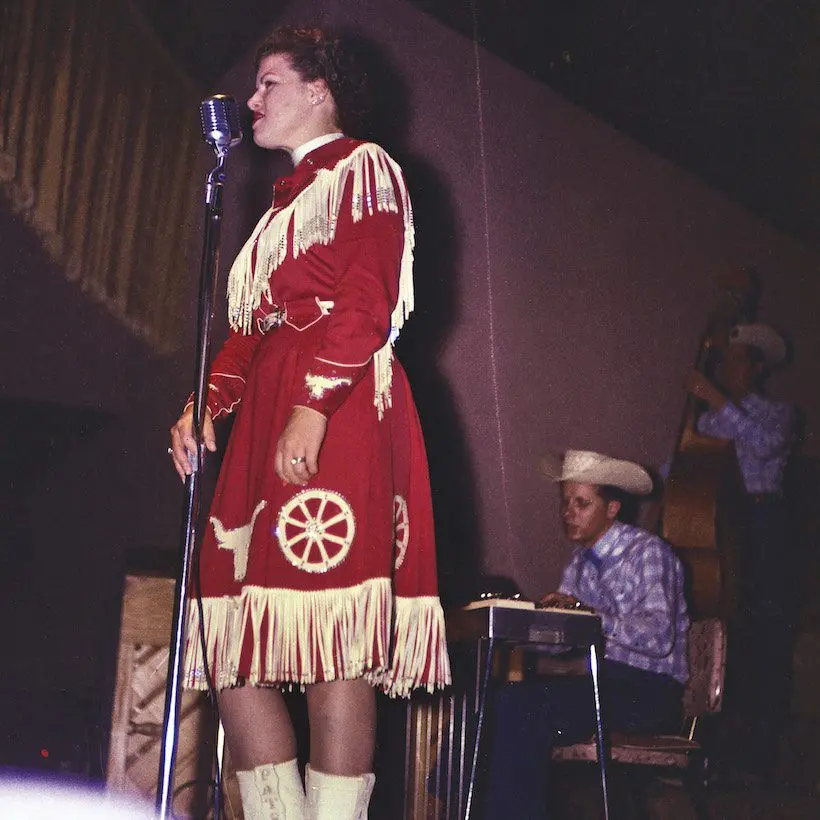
pixel 401 528
pixel 315 530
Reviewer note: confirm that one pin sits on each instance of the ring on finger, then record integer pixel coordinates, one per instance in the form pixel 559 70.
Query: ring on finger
pixel 297 460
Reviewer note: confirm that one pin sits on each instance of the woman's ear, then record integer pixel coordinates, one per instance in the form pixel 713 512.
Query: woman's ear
pixel 317 92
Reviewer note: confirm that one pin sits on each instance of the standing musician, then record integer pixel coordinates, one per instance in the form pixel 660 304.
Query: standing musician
pixel 318 565
pixel 763 432
pixel 632 579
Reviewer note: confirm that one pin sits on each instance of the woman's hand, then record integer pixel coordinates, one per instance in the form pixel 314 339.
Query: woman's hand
pixel 297 451
pixel 183 443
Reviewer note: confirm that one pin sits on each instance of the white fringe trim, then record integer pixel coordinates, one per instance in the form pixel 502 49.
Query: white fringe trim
pixel 311 219
pixel 307 630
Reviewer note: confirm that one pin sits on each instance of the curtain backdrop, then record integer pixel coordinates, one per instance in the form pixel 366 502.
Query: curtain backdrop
pixel 99 142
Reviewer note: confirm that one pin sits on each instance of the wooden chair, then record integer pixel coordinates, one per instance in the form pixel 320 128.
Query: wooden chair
pixel 687 751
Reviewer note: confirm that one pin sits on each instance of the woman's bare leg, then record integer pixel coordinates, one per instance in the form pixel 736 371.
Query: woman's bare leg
pixel 342 717
pixel 258 727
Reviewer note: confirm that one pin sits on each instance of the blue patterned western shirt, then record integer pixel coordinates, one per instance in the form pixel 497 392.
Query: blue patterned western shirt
pixel 634 581
pixel 763 432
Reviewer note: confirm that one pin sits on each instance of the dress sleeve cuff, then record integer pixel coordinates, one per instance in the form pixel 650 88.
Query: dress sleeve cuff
pixel 327 384
pixel 212 403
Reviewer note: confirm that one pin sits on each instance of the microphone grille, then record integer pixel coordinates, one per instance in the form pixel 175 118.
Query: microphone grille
pixel 220 121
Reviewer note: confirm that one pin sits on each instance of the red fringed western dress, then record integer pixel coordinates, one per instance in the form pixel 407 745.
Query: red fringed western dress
pixel 337 579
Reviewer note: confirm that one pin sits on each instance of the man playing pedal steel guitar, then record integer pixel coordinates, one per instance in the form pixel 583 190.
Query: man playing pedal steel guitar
pixel 632 579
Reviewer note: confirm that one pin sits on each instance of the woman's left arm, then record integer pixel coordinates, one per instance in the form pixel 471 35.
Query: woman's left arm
pixel 368 255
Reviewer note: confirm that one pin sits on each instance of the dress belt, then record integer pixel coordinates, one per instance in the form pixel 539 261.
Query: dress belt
pixel 300 313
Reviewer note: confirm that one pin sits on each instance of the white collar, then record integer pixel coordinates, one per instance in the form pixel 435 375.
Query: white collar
pixel 298 154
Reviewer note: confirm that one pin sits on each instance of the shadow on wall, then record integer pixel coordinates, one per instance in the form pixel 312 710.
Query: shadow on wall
pixel 424 336
pixel 437 305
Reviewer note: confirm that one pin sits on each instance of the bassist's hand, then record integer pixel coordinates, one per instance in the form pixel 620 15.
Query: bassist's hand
pixel 701 388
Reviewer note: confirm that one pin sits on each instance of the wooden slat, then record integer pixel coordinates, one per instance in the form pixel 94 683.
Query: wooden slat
pixel 139 704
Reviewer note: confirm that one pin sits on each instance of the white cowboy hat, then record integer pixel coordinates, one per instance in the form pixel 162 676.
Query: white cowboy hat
pixel 587 467
pixel 767 340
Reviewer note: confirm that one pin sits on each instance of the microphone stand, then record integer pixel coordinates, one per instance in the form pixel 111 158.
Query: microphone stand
pixel 173 694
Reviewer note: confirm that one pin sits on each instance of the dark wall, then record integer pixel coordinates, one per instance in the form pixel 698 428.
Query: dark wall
pixel 563 278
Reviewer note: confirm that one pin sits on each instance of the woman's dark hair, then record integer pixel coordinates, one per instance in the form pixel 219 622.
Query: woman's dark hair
pixel 317 54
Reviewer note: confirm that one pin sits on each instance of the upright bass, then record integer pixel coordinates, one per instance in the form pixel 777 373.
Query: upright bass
pixel 702 507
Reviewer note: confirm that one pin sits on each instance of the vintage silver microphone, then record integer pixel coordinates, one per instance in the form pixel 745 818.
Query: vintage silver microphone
pixel 220 122
pixel 221 130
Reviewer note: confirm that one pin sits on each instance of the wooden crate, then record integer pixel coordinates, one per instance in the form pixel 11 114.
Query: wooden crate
pixel 139 703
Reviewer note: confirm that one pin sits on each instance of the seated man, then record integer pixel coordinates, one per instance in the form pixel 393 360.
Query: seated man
pixel 633 580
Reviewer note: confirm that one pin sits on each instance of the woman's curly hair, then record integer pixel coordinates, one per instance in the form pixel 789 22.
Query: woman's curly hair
pixel 317 54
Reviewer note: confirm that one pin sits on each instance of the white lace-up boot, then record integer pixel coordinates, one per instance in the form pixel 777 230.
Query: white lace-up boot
pixel 272 792
pixel 333 797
